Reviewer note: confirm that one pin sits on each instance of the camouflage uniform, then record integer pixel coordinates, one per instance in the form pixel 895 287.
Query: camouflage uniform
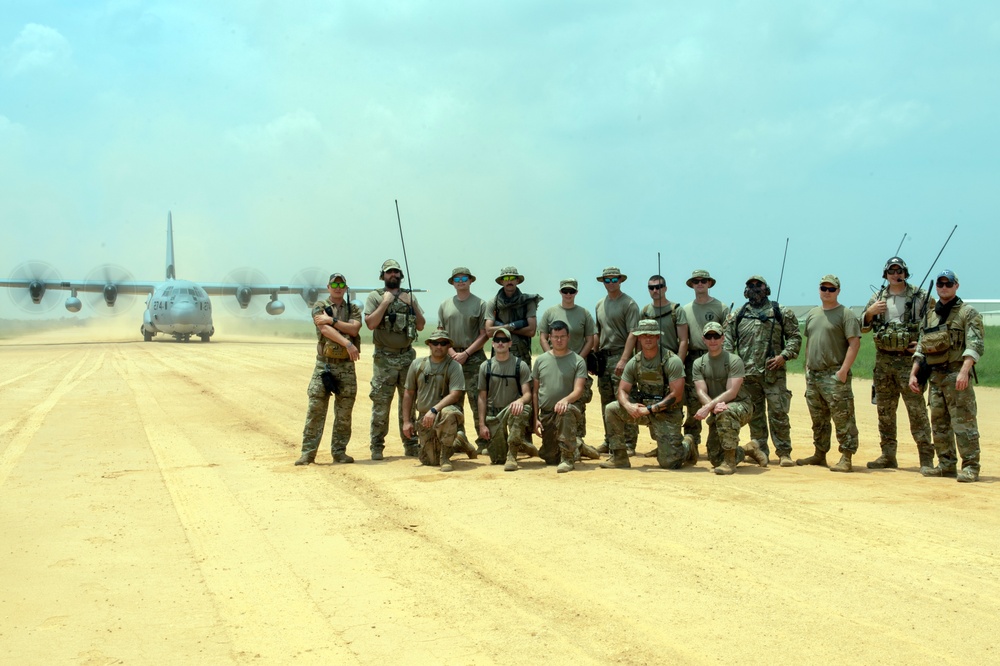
pixel 953 412
pixel 616 318
pixel 891 377
pixel 559 434
pixel 430 382
pixel 456 317
pixel 393 354
pixel 506 431
pixel 750 332
pixel 319 399
pixel 651 378
pixel 826 397
pixel 698 314
pixel 724 427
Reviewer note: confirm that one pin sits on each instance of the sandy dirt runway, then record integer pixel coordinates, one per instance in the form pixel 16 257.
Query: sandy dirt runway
pixel 151 513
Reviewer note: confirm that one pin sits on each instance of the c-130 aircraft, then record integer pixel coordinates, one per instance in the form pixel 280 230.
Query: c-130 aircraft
pixel 180 308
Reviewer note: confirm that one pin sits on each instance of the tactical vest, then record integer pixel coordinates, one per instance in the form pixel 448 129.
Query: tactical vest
pixel 651 383
pixel 896 336
pixel 777 317
pixel 399 318
pixel 331 349
pixel 937 341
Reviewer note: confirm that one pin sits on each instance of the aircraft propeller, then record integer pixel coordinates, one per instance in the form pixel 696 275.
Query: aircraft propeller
pixel 35 298
pixel 241 304
pixel 113 300
pixel 313 276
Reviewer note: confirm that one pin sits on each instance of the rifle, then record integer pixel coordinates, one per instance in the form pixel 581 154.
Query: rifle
pixel 924 371
pixel 880 290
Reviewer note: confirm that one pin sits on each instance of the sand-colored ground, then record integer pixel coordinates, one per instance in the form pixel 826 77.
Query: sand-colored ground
pixel 151 514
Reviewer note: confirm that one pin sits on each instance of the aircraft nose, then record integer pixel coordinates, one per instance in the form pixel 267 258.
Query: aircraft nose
pixel 184 313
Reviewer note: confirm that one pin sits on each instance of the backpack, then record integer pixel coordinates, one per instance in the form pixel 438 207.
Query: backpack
pixel 516 376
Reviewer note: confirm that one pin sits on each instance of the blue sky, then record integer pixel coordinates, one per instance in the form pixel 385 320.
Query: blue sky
pixel 560 137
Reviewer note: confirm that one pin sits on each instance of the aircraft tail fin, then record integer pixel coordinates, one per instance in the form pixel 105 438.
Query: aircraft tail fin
pixel 171 271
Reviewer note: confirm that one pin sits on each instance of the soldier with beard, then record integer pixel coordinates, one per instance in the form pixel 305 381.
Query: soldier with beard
pixel 765 336
pixel 395 318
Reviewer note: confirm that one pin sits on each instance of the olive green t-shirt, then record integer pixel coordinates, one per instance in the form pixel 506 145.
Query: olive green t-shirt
pixel 578 319
pixel 433 381
pixel 462 319
pixel 699 314
pixel 616 318
pixel 661 314
pixel 828 332
pixel 556 376
pixel 716 373
pixel 504 386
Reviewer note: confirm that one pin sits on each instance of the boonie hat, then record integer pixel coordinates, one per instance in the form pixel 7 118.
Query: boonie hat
pixel 700 274
pixel 507 271
pixel 712 327
pixel 439 334
pixel 612 271
pixel 647 327
pixel 947 273
pixel 832 279
pixel 569 282
pixel 461 270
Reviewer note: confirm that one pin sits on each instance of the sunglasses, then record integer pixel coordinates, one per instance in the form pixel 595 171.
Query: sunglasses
pixel 712 336
pixel 460 278
pixel 945 283
pixel 497 341
pixel 438 343
pixel 752 284
pixel 338 285
pixel 613 280
pixel 509 278
pixel 894 271
pixel 699 281
pixel 654 287
pixel 828 289
pixel 567 291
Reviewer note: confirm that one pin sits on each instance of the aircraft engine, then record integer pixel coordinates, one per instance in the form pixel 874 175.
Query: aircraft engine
pixel 110 295
pixel 32 295
pixel 275 307
pixel 316 280
pixel 73 304
pixel 36 290
pixel 243 295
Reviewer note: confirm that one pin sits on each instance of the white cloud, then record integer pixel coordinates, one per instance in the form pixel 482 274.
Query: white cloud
pixel 38 47
pixel 295 128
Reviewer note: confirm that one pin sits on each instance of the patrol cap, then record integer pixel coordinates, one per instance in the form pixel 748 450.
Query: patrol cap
pixel 712 327
pixel 702 275
pixel 757 278
pixel 502 332
pixel 389 264
pixel 831 279
pixel 612 271
pixel 569 282
pixel 895 261
pixel 439 334
pixel 333 276
pixel 949 274
pixel 507 271
pixel 461 270
pixel 647 327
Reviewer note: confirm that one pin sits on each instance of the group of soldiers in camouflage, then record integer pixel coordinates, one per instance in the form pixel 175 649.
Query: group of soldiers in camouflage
pixel 727 368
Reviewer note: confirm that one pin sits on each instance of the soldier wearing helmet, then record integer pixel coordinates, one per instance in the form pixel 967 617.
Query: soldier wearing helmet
pixel 893 315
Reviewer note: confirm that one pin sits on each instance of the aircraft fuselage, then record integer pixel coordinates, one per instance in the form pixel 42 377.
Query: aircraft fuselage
pixel 179 308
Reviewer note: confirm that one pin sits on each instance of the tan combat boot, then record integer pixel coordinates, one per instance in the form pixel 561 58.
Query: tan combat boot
pixel 305 459
pixel 446 452
pixel 586 450
pixel 511 464
pixel 940 470
pixel 618 460
pixel 603 448
pixel 565 462
pixel 885 461
pixel 818 458
pixel 528 449
pixel 752 450
pixel 785 460
pixel 465 445
pixel 968 475
pixel 844 464
pixel 728 465
pixel 691 446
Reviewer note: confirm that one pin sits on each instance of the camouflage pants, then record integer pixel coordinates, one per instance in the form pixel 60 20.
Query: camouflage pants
pixel 772 393
pixel 388 378
pixel 828 398
pixel 891 379
pixel 724 431
pixel 953 417
pixel 692 426
pixel 558 434
pixel 588 396
pixel 507 434
pixel 438 442
pixel 319 404
pixel 664 428
pixel 471 372
pixel 607 386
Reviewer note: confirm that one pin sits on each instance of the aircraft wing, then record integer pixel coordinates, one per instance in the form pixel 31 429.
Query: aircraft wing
pixel 310 293
pixel 109 289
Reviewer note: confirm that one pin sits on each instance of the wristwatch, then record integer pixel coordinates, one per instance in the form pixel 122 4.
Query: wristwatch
pixel 433 410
